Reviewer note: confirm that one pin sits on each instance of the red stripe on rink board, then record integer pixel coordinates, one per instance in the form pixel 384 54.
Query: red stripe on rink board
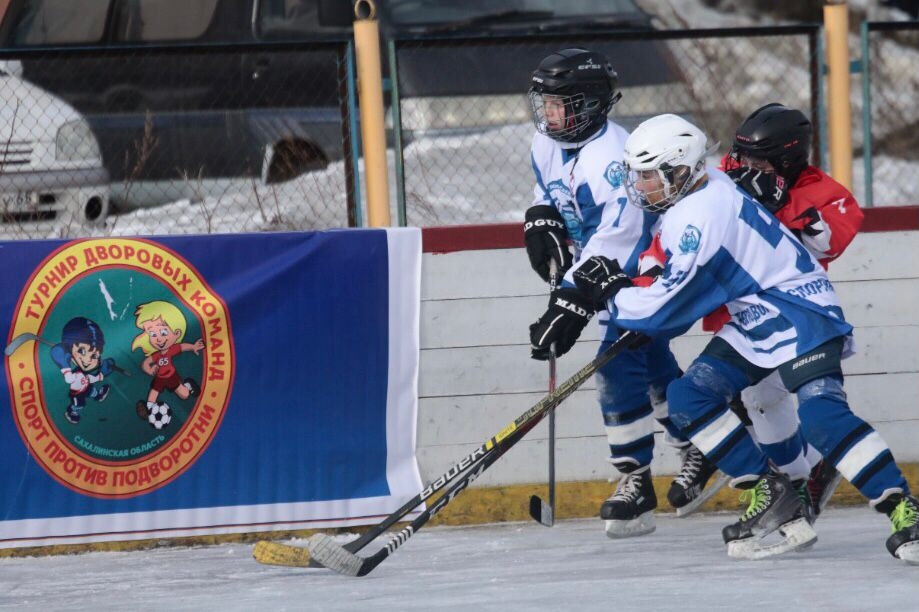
pixel 510 235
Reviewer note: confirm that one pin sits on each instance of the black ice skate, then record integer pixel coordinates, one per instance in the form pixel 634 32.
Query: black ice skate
pixel 903 512
pixel 629 511
pixel 824 478
pixel 72 415
pixel 774 506
pixel 101 393
pixel 687 491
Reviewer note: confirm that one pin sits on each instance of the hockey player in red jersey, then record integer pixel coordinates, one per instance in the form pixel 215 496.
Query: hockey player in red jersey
pixel 769 160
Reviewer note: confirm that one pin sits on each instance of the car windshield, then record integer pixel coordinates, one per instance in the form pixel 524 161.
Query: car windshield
pixel 472 12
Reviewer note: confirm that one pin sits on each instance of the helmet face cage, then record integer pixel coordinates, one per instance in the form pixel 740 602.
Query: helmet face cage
pixel 575 122
pixel 675 182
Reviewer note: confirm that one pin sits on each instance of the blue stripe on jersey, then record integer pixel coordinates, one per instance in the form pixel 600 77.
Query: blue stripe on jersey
pixel 810 320
pixel 630 266
pixel 591 213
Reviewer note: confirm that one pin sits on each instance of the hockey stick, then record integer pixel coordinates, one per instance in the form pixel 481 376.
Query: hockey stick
pixel 273 553
pixel 544 512
pixel 21 339
pixel 326 551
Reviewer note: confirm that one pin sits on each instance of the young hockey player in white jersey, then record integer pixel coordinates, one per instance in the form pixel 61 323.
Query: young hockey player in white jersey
pixel 722 247
pixel 769 160
pixel 579 196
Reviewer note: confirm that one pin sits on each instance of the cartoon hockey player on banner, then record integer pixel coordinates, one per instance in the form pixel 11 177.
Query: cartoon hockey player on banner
pixel 79 356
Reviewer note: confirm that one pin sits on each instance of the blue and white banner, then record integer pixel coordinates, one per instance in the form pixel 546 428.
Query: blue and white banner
pixel 173 386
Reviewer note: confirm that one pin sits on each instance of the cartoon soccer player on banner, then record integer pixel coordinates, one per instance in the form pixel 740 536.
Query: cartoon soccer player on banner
pixel 79 356
pixel 163 326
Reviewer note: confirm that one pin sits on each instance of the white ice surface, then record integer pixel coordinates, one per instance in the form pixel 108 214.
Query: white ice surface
pixel 515 567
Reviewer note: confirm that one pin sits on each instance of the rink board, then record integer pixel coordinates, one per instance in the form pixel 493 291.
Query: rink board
pixel 476 374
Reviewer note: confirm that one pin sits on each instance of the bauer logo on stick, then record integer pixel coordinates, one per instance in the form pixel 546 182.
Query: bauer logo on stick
pixel 120 362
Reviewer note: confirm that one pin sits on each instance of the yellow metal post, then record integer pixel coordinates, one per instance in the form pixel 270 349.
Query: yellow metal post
pixel 836 23
pixel 370 96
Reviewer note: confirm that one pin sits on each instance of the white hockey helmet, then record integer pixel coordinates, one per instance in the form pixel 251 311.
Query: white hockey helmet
pixel 669 152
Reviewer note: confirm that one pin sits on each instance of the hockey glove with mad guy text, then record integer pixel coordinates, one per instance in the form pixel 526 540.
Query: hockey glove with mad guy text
pixel 562 324
pixel 600 279
pixel 769 189
pixel 546 238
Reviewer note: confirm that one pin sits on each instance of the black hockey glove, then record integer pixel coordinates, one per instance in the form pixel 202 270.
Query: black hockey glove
pixel 567 315
pixel 546 238
pixel 769 189
pixel 600 279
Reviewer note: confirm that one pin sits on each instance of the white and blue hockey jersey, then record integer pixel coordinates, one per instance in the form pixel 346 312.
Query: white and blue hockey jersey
pixel 724 248
pixel 587 186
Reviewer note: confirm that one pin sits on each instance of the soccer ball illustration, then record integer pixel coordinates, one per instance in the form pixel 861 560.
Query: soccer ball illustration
pixel 159 416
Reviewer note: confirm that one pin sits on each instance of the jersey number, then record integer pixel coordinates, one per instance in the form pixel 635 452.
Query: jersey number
pixel 770 228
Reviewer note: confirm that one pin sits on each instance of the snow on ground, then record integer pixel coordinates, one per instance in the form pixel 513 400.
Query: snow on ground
pixel 513 567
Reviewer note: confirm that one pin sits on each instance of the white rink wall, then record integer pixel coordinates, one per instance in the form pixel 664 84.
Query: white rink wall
pixel 476 375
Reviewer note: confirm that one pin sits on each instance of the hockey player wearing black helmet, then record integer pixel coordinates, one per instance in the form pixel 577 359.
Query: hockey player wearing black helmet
pixel 772 147
pixel 580 202
pixel 571 94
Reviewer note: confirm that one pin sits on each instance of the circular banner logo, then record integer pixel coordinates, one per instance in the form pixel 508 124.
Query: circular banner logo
pixel 120 362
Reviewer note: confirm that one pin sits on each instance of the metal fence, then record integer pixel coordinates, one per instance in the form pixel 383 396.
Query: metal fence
pixel 890 115
pixel 466 124
pixel 176 139
pixel 262 137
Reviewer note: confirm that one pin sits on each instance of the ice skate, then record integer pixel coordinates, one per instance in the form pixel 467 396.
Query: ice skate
pixel 100 393
pixel 72 415
pixel 824 478
pixel 904 520
pixel 687 491
pixel 774 506
pixel 629 511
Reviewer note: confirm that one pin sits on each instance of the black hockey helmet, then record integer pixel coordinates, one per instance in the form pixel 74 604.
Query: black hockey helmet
pixel 778 134
pixel 585 82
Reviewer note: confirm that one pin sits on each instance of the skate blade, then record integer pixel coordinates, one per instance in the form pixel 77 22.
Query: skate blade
pixel 707 493
pixel 909 552
pixel 638 526
pixel 798 534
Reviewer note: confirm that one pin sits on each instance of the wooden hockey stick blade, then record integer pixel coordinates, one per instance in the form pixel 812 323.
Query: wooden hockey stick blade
pixel 541 511
pixel 274 553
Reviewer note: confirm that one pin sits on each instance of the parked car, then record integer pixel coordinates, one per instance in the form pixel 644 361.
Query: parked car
pixel 50 164
pixel 171 122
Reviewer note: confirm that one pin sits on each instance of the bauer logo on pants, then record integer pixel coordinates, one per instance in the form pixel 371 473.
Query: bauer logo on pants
pixel 120 361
